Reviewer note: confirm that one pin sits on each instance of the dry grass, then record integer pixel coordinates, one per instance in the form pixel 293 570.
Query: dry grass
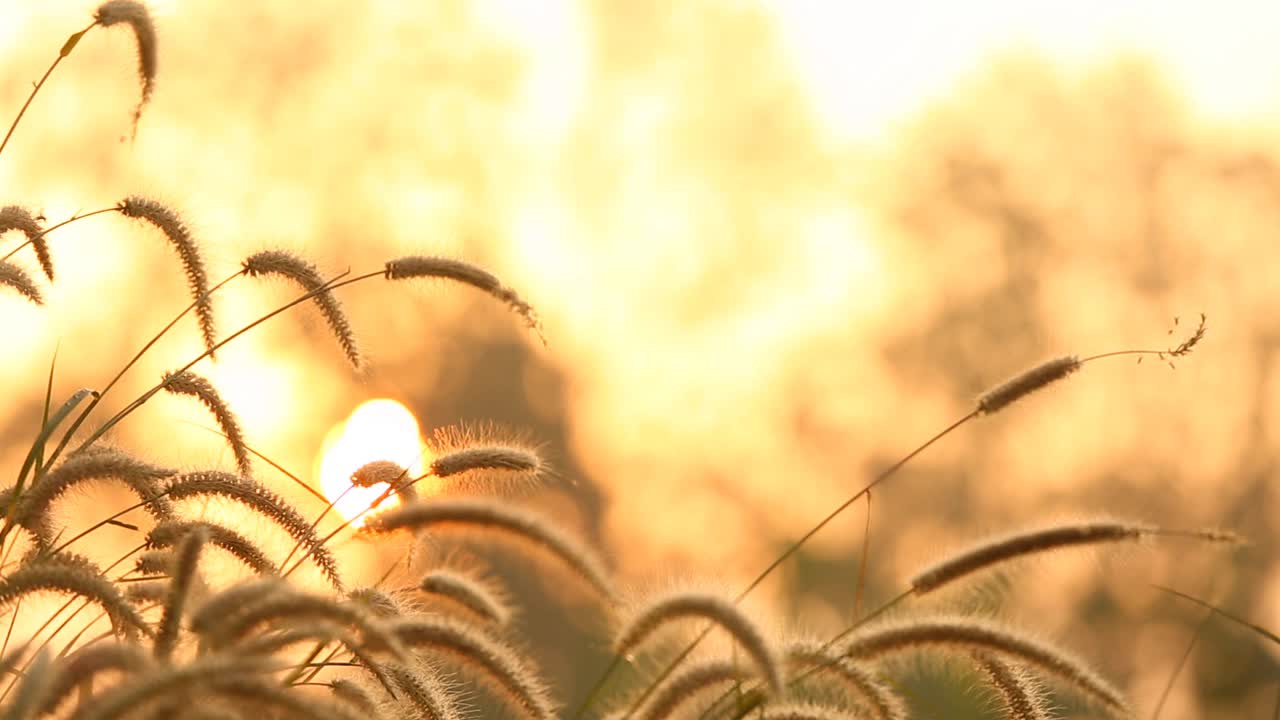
pixel 274 646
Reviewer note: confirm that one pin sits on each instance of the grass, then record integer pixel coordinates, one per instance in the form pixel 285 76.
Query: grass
pixel 173 638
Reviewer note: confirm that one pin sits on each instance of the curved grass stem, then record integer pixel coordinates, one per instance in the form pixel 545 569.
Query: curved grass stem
pixel 67 47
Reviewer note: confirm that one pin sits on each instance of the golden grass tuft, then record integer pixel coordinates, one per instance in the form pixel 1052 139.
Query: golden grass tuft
pixel 969 635
pixel 421 266
pixel 179 236
pixel 135 15
pixel 723 613
pixel 293 267
pixel 18 218
pixel 15 277
pixel 1027 382
pixel 191 384
pixel 491 516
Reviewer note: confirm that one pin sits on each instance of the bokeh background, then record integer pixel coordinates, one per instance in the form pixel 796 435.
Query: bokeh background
pixel 775 246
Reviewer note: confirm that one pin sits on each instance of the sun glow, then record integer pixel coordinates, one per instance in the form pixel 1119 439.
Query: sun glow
pixel 381 429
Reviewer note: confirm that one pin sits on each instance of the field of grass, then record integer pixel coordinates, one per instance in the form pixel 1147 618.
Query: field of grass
pixel 140 577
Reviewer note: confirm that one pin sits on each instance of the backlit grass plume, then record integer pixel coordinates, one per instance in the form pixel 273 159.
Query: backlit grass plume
pixel 420 266
pixel 182 573
pixel 498 662
pixel 15 277
pixel 1029 542
pixel 168 533
pixel 876 697
pixel 144 479
pixel 1020 694
pixel 179 236
pixel 246 492
pixel 288 265
pixel 723 613
pixel 467 592
pixel 75 575
pixel 687 684
pixel 14 217
pixel 492 516
pixel 969 635
pixel 135 15
pixel 191 384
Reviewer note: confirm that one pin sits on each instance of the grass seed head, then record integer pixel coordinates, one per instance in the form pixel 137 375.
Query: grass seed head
pixel 1008 547
pixel 15 277
pixel 293 267
pixel 724 613
pixel 263 502
pixel 687 683
pixel 511 673
pixel 969 635
pixel 1026 383
pixel 469 592
pixel 14 217
pixel 1021 696
pixel 179 236
pixel 877 697
pixel 422 266
pixel 193 385
pixel 492 516
pixel 135 15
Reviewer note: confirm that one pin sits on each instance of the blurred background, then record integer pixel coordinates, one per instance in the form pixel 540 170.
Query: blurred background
pixel 774 245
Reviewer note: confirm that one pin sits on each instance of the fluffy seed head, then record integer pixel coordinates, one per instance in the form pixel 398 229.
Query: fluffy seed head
pixel 153 562
pixel 14 217
pixel 1026 383
pixel 489 515
pixel 687 683
pixel 168 533
pixel 1001 549
pixel 1021 695
pixel 142 478
pixel 510 672
pixel 722 612
pixel 288 265
pixel 184 569
pixel 135 15
pixel 191 384
pixel 877 697
pixel 292 607
pixel 421 266
pixel 469 592
pixel 423 691
pixel 971 635
pixel 378 472
pixel 77 576
pixel 18 279
pixel 188 251
pixel 512 459
pixel 262 501
pixel 82 665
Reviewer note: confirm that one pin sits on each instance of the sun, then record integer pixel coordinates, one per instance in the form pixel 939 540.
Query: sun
pixel 380 429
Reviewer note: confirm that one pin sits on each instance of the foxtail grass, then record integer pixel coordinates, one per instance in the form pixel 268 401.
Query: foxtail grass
pixel 20 280
pixel 970 635
pixel 1021 697
pixel 295 268
pixel 18 218
pixel 192 385
pixel 490 516
pixel 179 236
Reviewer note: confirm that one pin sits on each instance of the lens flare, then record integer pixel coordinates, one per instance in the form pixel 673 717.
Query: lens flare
pixel 381 429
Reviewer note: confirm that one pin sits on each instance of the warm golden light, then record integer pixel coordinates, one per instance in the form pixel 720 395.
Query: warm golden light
pixel 381 429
